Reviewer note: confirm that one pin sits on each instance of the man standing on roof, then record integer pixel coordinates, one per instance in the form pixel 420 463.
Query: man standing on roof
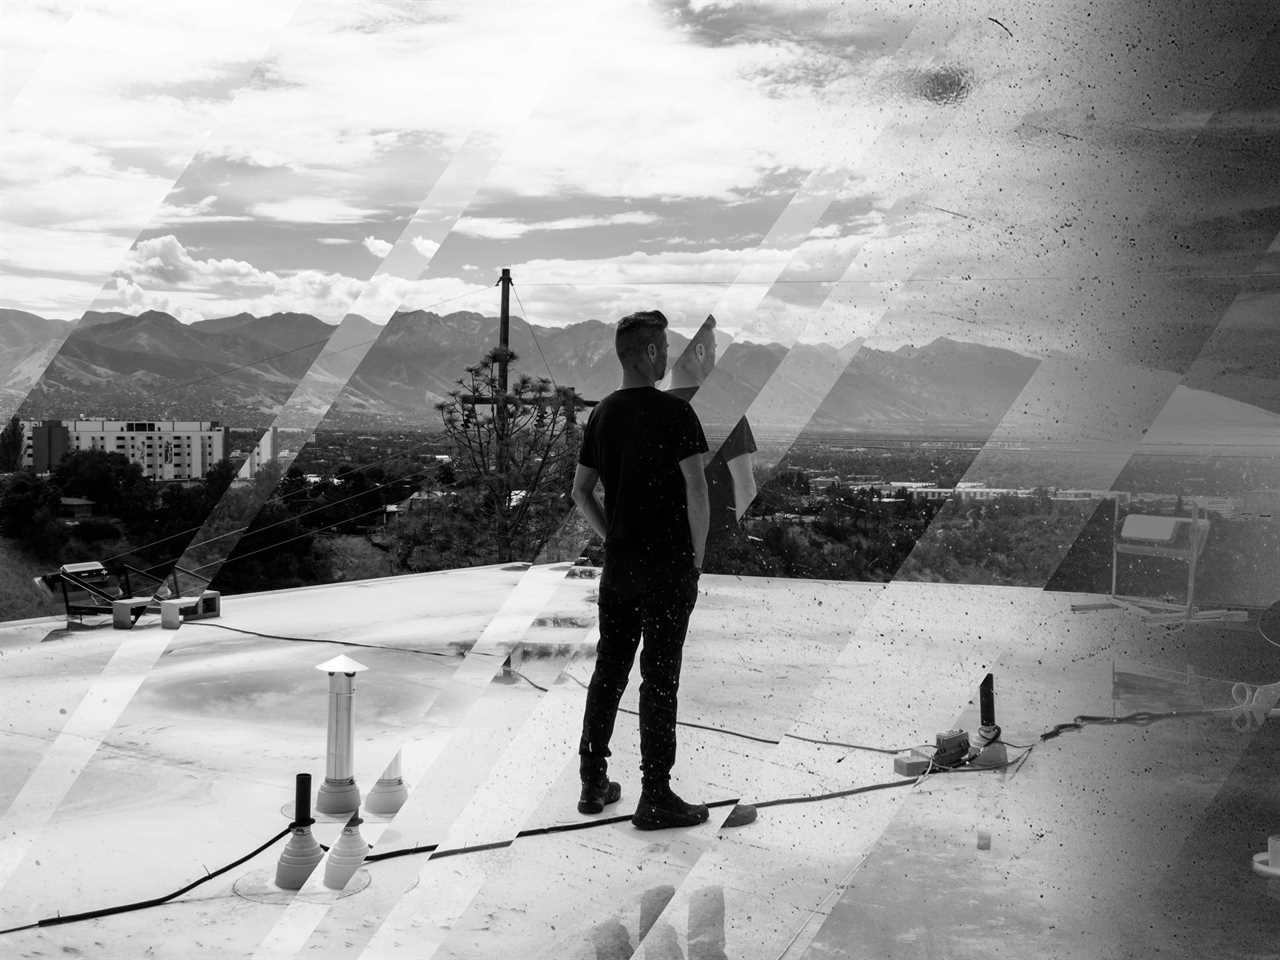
pixel 647 447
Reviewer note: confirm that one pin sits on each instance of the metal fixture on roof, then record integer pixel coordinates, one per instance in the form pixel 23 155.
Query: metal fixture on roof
pixel 339 794
pixel 389 793
pixel 303 852
pixel 346 855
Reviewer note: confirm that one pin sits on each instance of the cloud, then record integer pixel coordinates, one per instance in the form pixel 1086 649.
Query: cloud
pixel 426 247
pixel 66 260
pixel 707 123
pixel 379 248
pixel 503 228
pixel 80 191
pixel 164 260
pixel 739 109
pixel 30 30
pixel 32 294
pixel 163 274
pixel 199 212
pixel 684 284
pixel 311 209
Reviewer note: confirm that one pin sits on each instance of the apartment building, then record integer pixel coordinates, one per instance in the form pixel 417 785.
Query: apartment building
pixel 165 449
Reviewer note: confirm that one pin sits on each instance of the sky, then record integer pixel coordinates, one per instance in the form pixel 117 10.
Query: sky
pixel 817 171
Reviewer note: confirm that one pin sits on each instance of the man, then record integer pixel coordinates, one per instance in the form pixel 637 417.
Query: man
pixel 647 447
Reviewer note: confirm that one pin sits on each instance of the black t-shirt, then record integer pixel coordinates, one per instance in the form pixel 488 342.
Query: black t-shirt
pixel 635 439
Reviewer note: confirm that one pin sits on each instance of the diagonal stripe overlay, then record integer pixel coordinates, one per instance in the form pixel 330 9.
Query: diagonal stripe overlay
pixel 266 21
pixel 23 825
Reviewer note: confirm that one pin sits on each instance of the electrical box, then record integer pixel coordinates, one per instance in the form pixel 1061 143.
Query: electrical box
pixel 952 748
pixel 913 762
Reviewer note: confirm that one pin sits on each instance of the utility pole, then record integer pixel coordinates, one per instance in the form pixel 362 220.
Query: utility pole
pixel 504 328
pixel 565 401
pixel 504 352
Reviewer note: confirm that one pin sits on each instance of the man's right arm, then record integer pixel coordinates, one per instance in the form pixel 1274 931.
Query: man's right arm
pixel 584 495
pixel 698 504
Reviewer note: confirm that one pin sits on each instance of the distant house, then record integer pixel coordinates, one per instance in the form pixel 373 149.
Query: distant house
pixel 74 508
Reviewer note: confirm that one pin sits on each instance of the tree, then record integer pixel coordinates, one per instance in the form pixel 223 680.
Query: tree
pixel 29 514
pixel 513 461
pixel 216 482
pixel 25 495
pixel 112 481
pixel 11 443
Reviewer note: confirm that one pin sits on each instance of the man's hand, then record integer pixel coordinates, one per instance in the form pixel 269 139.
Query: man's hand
pixel 584 495
pixel 699 505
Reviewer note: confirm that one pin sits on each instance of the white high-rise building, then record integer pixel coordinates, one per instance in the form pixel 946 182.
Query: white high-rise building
pixel 165 449
pixel 263 452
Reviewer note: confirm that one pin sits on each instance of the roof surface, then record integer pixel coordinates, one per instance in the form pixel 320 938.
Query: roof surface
pixel 140 760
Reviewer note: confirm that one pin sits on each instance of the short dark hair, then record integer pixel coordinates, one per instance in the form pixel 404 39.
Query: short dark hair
pixel 636 331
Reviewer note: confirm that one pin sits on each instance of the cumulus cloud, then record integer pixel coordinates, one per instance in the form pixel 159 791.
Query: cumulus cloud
pixel 164 260
pixel 425 246
pixel 379 248
pixel 163 274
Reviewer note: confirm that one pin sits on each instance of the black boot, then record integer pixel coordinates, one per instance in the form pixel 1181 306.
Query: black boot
pixel 660 808
pixel 597 789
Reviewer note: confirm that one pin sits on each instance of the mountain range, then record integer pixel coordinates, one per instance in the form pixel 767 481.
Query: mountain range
pixel 240 369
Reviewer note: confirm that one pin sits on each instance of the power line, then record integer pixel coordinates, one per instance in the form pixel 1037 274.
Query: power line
pixel 297 516
pixel 525 314
pixel 281 543
pixel 355 470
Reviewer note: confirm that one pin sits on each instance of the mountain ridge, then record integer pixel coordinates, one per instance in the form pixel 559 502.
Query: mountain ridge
pixel 243 368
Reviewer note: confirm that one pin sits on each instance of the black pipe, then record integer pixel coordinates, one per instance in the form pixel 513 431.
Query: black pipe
pixel 302 801
pixel 987 701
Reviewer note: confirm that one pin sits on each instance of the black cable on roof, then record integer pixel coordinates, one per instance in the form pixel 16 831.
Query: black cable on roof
pixel 340 643
pixel 155 901
pixel 749 736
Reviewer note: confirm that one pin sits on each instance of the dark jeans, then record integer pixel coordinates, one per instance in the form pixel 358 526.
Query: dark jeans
pixel 657 608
